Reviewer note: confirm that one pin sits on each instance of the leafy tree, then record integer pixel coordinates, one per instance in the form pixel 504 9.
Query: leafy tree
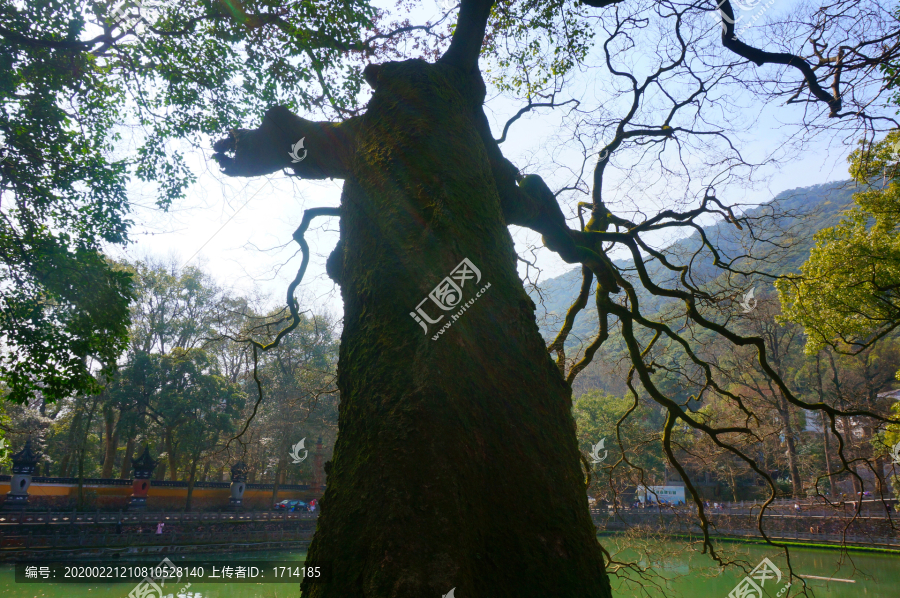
pixel 62 304
pixel 183 394
pixel 857 382
pixel 781 343
pixel 301 402
pixel 848 292
pixel 631 455
pixel 170 309
pixel 892 442
pixel 63 311
pixel 173 308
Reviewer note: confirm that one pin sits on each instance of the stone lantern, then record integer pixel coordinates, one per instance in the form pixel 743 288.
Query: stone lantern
pixel 238 484
pixel 143 469
pixel 24 464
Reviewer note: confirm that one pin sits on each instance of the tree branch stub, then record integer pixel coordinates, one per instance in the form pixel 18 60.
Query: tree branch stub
pixel 324 153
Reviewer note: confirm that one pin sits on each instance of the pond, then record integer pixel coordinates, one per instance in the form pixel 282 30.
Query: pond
pixel 675 573
pixel 680 572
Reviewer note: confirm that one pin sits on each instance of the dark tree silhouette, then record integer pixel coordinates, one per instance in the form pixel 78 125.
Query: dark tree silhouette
pixel 456 463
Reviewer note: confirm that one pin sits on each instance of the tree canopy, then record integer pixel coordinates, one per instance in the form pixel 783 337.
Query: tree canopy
pixel 76 78
pixel 848 292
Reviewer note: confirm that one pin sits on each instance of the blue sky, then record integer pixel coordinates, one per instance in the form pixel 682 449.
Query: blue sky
pixel 240 229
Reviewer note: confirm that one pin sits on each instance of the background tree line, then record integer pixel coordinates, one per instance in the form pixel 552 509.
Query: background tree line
pixel 185 387
pixel 830 328
pixel 797 450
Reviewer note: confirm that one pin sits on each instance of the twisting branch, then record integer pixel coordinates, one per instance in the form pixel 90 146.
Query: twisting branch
pixel 761 57
pixel 469 34
pixel 529 107
pixel 602 335
pixel 292 305
pixel 275 144
pixel 559 344
pixel 298 236
pixel 324 153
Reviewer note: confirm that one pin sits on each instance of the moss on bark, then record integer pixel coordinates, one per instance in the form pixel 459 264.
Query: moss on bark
pixel 456 465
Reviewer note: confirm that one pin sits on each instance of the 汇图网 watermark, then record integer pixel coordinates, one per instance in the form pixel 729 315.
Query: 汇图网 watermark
pixel 895 152
pixel 748 302
pixel 595 451
pixel 752 585
pixel 161 573
pixel 125 11
pixel 448 294
pixel 745 6
pixel 294 153
pixel 295 451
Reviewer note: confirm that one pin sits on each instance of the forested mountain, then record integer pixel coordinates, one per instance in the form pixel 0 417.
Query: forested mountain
pixel 694 368
pixel 780 243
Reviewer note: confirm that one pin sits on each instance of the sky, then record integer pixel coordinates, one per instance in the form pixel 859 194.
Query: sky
pixel 240 229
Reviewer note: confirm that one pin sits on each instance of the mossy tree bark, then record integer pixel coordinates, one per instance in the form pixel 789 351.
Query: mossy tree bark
pixel 456 463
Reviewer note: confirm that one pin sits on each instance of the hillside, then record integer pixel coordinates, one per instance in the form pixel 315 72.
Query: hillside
pixel 791 218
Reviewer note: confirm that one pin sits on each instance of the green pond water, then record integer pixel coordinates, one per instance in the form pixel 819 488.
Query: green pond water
pixel 671 568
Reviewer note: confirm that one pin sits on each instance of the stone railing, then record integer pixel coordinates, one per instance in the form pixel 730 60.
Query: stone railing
pixel 868 531
pixel 129 517
pixel 813 516
pixel 775 536
pixel 37 480
pixel 788 504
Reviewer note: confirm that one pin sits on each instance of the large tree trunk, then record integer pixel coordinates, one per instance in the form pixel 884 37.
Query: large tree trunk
pixel 71 447
pixel 171 457
pixel 64 464
pixel 161 470
pixel 278 479
pixel 125 471
pixel 827 449
pixel 456 465
pixel 820 390
pixel 82 450
pixel 791 447
pixel 112 443
pixel 191 477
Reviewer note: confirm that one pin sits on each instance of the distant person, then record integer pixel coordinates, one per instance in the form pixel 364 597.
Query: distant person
pixel 119 526
pixel 159 527
pixel 797 507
